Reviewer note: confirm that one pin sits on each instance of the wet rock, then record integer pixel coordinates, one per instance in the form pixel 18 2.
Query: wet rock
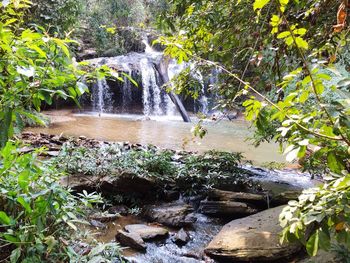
pixel 226 208
pixel 173 214
pixel 170 195
pixel 131 240
pixel 103 217
pixel 26 149
pixel 97 224
pixel 147 232
pixel 129 183
pixel 181 238
pixel 253 238
pixel 53 153
pixel 119 209
pixel 220 195
pixel 125 183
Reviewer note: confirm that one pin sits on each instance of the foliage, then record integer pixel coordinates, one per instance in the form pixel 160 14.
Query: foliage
pixel 188 173
pixel 59 16
pixel 290 50
pixel 38 216
pixel 35 68
pixel 320 217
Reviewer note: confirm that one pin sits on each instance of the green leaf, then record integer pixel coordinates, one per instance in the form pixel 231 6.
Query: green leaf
pixel 312 244
pixel 24 203
pixel 301 43
pixel 259 4
pixel 283 34
pixel 324 241
pixel 334 162
pixel 81 88
pixel 4 219
pixel 15 255
pixel 23 179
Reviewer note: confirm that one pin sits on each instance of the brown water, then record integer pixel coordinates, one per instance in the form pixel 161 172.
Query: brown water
pixel 173 134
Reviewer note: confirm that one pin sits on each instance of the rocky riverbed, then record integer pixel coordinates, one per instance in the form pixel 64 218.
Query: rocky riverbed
pixel 222 222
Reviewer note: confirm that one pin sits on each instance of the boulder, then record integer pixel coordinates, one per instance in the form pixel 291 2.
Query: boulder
pixel 226 208
pixel 181 238
pixel 172 214
pixel 253 238
pixel 220 195
pixel 147 232
pixel 124 183
pixel 104 217
pixel 119 209
pixel 131 240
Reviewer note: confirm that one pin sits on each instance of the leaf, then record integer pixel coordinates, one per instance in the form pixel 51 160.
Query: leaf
pixel 62 45
pixel 324 241
pixel 259 4
pixel 15 255
pixel 344 82
pixel 28 72
pixel 24 203
pixel 312 244
pixel 81 88
pixel 72 225
pixel 301 43
pixel 4 219
pixel 292 155
pixel 334 162
pixel 130 79
pixel 283 34
pixel 23 179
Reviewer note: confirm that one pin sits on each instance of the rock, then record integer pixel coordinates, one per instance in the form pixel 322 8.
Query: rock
pixel 173 214
pixel 170 195
pixel 97 224
pixel 181 238
pixel 146 231
pixel 53 153
pixel 226 208
pixel 322 257
pixel 220 195
pixel 253 238
pixel 131 240
pixel 119 209
pixel 111 185
pixel 103 217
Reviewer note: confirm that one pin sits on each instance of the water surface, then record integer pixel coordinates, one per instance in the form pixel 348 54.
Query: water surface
pixel 163 132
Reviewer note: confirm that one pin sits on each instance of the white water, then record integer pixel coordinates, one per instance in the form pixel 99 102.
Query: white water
pixel 102 99
pixel 127 92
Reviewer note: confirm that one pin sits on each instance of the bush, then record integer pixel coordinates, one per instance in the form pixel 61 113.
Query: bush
pixel 188 173
pixel 38 216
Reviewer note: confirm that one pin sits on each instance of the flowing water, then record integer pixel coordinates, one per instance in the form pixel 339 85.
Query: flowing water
pixel 163 131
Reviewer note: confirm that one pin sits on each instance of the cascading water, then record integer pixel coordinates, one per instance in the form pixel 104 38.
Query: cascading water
pixel 151 91
pixel 127 92
pixel 102 99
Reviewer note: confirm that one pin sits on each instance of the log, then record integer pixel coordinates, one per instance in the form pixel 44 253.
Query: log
pixel 162 68
pixel 226 208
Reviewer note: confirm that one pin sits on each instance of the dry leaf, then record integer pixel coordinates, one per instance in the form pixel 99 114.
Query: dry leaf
pixel 341 18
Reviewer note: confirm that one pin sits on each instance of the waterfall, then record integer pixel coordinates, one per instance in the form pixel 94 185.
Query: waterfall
pixel 101 97
pixel 127 93
pixel 203 99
